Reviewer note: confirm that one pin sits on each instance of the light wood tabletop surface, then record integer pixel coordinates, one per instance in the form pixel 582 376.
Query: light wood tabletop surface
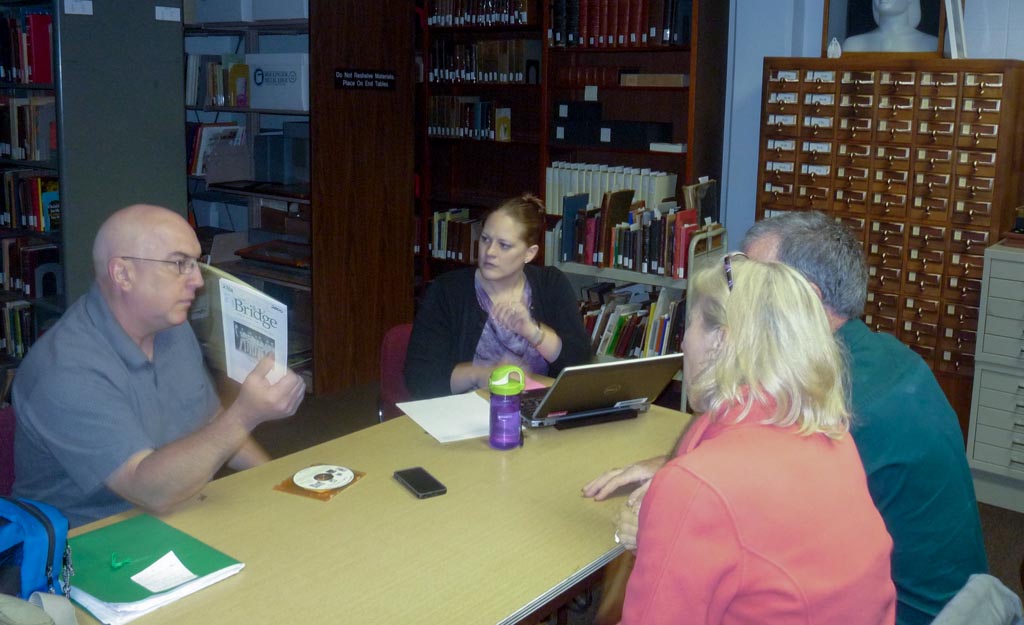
pixel 512 532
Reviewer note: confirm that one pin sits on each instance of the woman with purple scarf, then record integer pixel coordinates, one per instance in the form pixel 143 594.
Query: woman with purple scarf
pixel 504 311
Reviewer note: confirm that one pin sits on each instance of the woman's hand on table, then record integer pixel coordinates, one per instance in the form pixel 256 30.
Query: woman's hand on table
pixel 612 480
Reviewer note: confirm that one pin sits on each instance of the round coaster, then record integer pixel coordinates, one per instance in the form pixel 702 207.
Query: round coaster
pixel 323 477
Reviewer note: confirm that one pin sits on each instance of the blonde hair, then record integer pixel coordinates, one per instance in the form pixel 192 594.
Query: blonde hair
pixel 775 343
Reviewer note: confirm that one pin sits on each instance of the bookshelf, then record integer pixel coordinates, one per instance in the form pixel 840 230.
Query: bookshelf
pixel 621 80
pixel 480 133
pixel 355 216
pixel 259 187
pixel 97 138
pixel 660 90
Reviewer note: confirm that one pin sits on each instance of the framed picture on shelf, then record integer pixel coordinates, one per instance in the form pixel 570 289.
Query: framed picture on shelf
pixel 207 137
pixel 915 27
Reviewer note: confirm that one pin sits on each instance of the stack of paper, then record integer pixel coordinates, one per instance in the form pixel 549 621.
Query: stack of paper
pixel 456 417
pixel 451 418
pixel 130 568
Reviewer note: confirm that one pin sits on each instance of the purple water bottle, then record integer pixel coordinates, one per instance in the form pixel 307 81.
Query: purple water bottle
pixel 506 384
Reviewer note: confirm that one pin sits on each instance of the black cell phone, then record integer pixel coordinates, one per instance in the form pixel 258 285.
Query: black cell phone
pixel 420 482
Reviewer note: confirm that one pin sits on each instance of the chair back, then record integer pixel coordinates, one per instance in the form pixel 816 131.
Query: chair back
pixel 6 450
pixel 392 363
pixel 983 600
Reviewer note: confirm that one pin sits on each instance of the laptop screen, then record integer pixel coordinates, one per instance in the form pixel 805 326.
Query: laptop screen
pixel 603 387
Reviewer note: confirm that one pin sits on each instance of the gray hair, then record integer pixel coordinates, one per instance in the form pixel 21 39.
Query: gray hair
pixel 825 251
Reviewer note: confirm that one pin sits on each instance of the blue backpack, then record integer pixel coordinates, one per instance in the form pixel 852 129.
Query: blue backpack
pixel 34 552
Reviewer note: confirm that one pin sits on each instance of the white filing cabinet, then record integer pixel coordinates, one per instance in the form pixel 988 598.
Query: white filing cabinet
pixel 995 443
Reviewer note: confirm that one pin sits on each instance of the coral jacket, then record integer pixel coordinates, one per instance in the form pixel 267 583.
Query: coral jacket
pixel 754 523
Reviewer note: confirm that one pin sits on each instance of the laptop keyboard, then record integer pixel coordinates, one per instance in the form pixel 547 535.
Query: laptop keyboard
pixel 530 400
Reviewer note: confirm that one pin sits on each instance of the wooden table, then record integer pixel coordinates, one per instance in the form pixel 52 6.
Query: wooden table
pixel 512 533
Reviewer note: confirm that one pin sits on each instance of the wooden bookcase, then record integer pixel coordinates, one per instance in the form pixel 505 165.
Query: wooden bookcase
pixel 922 158
pixel 694 110
pixel 362 184
pixel 477 174
pixel 358 208
pixel 105 127
pixel 271 210
pixel 463 162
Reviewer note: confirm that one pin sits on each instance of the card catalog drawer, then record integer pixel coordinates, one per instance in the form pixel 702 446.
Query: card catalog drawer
pixel 997 345
pixel 983 84
pixel 936 160
pixel 921 310
pixel 1009 383
pixel 956 362
pixel 881 323
pixel 939 83
pixel 960 316
pixel 1000 419
pixel 988 435
pixel 1012 462
pixel 1008 301
pixel 972 213
pixel 963 290
pixel 885 304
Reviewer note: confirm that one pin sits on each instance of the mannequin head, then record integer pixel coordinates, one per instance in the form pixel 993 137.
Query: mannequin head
pixel 881 8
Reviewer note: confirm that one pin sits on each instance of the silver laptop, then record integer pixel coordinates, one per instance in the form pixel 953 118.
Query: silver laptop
pixel 607 389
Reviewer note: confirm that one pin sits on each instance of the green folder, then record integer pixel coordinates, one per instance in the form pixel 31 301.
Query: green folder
pixel 106 559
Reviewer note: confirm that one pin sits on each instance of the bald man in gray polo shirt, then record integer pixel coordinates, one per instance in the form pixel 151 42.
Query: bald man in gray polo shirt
pixel 114 406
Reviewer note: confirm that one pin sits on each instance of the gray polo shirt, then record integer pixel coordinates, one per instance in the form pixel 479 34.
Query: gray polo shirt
pixel 87 399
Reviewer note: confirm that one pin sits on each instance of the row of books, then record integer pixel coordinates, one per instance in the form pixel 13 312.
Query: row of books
pixel 203 140
pixel 489 61
pixel 26 44
pixel 31 200
pixel 468 117
pixel 628 235
pixel 216 80
pixel 620 23
pixel 580 75
pixel 30 266
pixel 18 330
pixel 632 322
pixel 28 127
pixel 654 242
pixel 472 13
pixel 454 235
pixel 565 178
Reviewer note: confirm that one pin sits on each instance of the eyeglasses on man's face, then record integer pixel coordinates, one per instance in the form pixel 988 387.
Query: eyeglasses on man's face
pixel 185 265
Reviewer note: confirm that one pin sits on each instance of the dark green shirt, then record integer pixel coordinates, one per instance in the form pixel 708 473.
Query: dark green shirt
pixel 912 448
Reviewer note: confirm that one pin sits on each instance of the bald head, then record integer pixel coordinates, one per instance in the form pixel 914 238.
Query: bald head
pixel 135 230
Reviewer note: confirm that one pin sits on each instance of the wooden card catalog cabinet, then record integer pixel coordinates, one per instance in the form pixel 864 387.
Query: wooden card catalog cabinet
pixel 921 158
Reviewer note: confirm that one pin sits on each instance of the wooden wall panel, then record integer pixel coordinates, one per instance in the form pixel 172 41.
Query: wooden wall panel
pixel 362 189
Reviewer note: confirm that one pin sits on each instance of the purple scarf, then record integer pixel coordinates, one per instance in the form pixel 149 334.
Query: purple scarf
pixel 500 345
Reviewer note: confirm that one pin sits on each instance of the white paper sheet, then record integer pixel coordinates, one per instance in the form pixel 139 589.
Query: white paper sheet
pixel 164 574
pixel 451 418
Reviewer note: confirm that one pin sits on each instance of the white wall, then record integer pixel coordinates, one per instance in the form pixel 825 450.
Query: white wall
pixel 759 28
pixel 994 29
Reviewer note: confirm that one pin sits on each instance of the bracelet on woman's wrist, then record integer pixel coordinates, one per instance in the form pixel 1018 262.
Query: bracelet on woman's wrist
pixel 538 338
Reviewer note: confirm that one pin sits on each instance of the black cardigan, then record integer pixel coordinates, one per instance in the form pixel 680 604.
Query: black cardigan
pixel 450 321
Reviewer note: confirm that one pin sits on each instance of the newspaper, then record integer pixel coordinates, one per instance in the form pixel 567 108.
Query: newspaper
pixel 239 325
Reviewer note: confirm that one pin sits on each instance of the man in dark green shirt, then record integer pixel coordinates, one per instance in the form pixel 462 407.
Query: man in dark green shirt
pixel 907 434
